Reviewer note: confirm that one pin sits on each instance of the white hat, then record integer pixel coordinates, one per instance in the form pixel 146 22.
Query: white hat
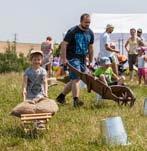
pixel 36 51
pixel 109 26
pixel 104 61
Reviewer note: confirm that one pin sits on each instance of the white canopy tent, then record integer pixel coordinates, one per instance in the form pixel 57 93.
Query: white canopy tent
pixel 122 24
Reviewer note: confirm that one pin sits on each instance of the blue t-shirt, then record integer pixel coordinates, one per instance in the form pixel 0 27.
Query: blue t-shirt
pixel 35 83
pixel 78 42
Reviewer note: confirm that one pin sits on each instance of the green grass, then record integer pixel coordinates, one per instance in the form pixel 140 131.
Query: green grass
pixel 70 129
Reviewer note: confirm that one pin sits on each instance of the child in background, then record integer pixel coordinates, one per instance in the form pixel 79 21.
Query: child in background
pixel 145 66
pixel 56 66
pixel 142 61
pixel 106 74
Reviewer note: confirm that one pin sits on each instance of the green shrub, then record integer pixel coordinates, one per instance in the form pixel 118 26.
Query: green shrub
pixel 10 61
pixel 56 51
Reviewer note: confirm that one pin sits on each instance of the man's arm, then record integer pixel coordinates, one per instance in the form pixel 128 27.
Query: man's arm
pixel 126 45
pixel 90 52
pixel 63 52
pixel 108 47
pixel 106 40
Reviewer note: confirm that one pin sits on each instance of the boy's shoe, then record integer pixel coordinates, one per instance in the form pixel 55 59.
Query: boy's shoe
pixel 61 98
pixel 77 103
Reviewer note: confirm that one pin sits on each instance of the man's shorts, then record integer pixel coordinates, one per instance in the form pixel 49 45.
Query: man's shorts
pixel 79 65
pixel 113 59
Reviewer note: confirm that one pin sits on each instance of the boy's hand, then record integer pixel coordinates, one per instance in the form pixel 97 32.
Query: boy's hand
pixel 24 93
pixel 31 101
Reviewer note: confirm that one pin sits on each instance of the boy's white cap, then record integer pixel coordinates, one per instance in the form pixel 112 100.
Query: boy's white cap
pixel 104 61
pixel 36 51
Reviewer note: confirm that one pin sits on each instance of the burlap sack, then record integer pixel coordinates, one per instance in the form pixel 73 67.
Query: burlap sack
pixel 23 108
pixel 46 105
pixel 43 105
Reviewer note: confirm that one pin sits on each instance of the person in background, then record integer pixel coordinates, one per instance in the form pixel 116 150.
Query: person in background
pixel 56 66
pixel 139 34
pixel 145 69
pixel 122 59
pixel 141 63
pixel 131 46
pixel 77 45
pixel 107 50
pixel 47 48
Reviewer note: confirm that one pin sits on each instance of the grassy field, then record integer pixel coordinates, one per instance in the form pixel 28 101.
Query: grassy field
pixel 70 129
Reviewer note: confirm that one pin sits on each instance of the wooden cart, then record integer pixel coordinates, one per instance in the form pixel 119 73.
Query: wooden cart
pixel 120 94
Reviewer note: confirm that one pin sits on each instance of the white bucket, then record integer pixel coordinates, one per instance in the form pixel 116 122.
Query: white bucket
pixel 113 131
pixel 98 96
pixel 82 85
pixel 145 106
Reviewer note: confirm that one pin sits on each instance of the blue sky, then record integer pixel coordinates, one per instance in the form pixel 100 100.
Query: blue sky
pixel 33 20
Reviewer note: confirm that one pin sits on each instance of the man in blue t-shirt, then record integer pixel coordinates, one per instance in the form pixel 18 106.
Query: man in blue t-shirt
pixel 76 46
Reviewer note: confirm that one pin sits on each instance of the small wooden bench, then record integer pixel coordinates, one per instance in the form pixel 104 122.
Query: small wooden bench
pixel 29 121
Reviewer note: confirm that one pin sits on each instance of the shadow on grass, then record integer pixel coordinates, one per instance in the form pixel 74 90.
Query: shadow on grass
pixel 18 132
pixel 99 143
pixel 102 104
